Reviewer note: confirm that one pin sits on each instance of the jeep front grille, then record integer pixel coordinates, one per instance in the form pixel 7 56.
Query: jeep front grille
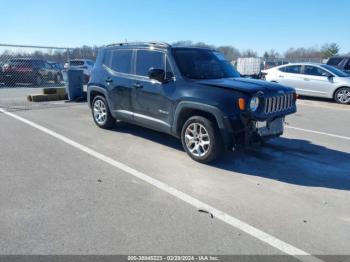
pixel 278 103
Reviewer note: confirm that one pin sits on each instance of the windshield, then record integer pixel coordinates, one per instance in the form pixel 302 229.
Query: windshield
pixel 335 71
pixel 203 64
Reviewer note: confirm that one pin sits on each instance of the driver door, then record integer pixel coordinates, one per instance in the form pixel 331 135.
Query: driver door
pixel 316 82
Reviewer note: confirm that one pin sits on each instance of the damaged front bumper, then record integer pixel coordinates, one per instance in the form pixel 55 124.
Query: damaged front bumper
pixel 256 132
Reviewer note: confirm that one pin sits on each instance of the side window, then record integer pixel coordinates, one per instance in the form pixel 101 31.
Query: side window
pixel 107 58
pixel 282 69
pixel 119 60
pixel 148 59
pixel 314 71
pixel 334 61
pixel 293 69
pixel 347 66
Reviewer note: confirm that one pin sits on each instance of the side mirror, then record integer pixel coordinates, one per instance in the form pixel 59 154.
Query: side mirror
pixel 328 75
pixel 157 74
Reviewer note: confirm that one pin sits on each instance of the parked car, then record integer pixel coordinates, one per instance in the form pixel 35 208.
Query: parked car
pixel 341 62
pixel 84 64
pixel 29 70
pixel 58 67
pixel 313 79
pixel 194 94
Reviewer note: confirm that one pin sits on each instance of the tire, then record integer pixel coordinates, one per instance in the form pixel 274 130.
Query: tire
pixel 38 81
pixel 201 139
pixel 101 114
pixel 342 95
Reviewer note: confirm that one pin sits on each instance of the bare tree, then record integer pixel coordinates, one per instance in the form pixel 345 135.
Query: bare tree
pixel 271 54
pixel 229 52
pixel 249 53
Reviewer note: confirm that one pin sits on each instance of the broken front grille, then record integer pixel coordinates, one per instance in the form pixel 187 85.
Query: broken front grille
pixel 278 103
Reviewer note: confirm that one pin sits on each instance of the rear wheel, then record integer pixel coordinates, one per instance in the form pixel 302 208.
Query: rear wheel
pixel 342 95
pixel 201 139
pixel 101 114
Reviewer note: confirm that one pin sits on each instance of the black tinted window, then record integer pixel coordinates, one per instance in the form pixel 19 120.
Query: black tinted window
pixel 334 61
pixel 203 64
pixel 148 59
pixel 347 67
pixel 294 69
pixel 314 71
pixel 76 63
pixel 118 60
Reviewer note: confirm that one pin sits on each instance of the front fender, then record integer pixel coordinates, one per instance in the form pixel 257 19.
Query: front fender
pixel 98 89
pixel 221 119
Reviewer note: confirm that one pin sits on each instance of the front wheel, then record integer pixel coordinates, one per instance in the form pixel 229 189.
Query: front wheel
pixel 201 139
pixel 101 114
pixel 342 95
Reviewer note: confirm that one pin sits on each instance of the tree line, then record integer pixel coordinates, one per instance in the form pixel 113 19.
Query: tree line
pixel 230 52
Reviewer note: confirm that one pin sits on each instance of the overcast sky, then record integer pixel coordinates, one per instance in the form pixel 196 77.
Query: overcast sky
pixel 248 24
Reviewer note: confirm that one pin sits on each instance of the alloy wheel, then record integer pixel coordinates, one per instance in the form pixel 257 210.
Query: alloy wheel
pixel 100 112
pixel 197 139
pixel 343 96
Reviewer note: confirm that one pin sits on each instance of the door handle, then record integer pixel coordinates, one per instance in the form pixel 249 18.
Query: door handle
pixel 281 76
pixel 306 79
pixel 109 80
pixel 137 85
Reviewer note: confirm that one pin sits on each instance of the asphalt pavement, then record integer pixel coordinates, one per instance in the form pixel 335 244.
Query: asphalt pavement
pixel 57 198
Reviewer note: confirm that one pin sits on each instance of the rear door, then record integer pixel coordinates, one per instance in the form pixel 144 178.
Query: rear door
pixel 118 65
pixel 150 103
pixel 291 76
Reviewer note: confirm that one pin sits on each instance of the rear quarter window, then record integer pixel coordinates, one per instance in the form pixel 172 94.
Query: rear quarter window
pixel 292 69
pixel 118 60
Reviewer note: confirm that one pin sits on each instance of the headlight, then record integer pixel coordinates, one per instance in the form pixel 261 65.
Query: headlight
pixel 254 104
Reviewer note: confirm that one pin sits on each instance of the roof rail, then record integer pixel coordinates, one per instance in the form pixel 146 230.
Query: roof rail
pixel 152 43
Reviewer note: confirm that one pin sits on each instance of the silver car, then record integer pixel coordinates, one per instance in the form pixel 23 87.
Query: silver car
pixel 312 79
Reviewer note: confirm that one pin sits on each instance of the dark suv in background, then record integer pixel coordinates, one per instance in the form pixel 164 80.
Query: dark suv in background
pixel 29 70
pixel 341 62
pixel 194 94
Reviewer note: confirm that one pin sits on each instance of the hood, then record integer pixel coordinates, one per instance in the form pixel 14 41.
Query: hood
pixel 246 85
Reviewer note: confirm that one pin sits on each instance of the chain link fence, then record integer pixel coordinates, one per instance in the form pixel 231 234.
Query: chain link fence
pixel 27 70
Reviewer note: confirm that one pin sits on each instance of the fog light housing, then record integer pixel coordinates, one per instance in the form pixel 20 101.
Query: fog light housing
pixel 254 103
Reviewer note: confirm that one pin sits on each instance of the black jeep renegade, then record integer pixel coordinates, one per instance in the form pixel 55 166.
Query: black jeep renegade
pixel 191 93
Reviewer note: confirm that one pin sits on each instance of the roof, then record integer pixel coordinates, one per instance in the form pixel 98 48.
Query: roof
pixel 143 44
pixel 305 63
